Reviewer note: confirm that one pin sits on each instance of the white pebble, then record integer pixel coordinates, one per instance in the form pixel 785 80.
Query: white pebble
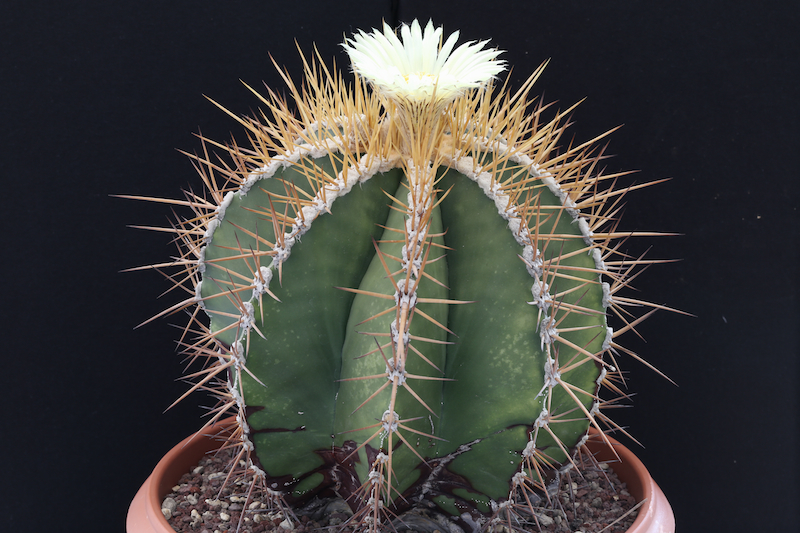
pixel 287 525
pixel 224 517
pixel 169 503
pixel 544 520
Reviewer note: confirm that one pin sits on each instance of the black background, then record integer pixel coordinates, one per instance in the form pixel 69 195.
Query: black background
pixel 96 96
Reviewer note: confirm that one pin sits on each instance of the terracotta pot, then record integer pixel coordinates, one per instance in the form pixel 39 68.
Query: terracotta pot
pixel 144 515
pixel 655 514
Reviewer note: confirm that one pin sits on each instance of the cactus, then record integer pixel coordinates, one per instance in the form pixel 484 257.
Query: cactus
pixel 401 289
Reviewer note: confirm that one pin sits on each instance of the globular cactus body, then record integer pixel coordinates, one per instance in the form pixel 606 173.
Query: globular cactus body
pixel 407 293
pixel 475 372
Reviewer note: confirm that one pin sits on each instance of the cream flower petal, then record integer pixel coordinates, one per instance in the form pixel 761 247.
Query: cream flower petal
pixel 416 65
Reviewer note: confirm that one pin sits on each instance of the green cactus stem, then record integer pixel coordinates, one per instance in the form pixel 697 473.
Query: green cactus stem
pixel 401 289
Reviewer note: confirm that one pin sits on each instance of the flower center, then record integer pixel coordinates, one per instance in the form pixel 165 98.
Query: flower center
pixel 420 78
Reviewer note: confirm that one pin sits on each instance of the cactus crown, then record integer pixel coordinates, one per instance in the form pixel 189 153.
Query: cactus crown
pixel 401 288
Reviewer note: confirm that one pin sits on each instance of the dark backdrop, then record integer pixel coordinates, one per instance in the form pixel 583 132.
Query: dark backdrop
pixel 96 96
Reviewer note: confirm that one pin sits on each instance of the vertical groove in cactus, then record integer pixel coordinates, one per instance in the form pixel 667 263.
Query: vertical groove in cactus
pixel 404 298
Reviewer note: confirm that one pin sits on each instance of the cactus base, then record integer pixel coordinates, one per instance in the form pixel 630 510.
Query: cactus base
pixel 145 516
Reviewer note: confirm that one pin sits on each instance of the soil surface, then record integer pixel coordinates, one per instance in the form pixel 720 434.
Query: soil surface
pixel 595 502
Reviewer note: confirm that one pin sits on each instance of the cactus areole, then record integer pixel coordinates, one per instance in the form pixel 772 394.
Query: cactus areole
pixel 401 286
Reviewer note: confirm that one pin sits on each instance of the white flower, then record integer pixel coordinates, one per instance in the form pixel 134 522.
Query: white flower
pixel 420 68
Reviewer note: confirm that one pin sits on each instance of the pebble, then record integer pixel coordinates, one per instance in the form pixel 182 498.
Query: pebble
pixel 169 503
pixel 168 507
pixel 287 525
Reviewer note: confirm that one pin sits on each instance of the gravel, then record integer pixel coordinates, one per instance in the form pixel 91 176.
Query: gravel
pixel 588 504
